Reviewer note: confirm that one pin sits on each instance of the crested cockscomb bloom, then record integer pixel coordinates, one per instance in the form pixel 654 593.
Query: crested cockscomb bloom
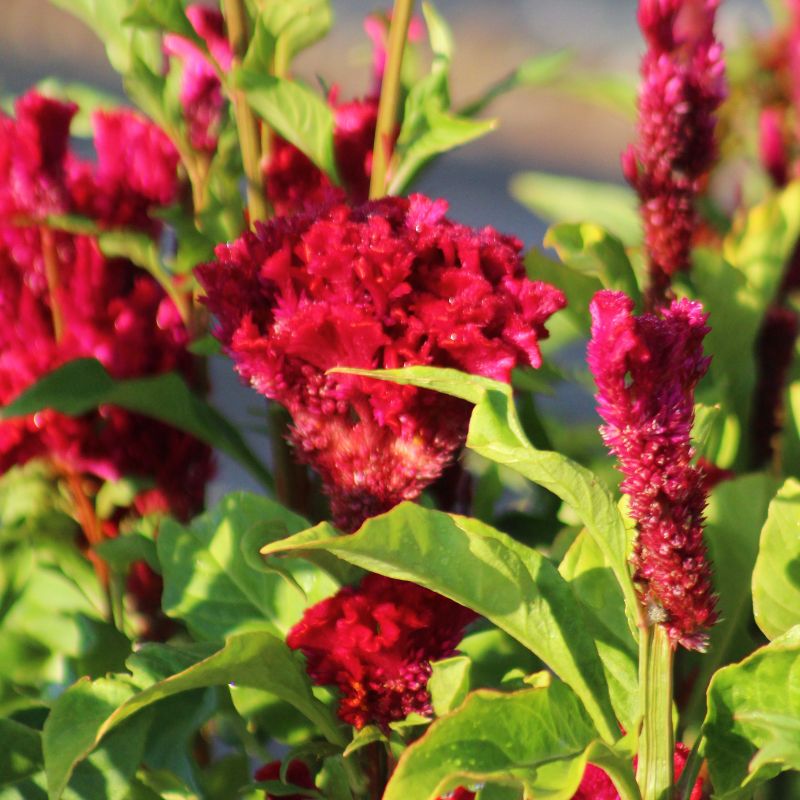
pixel 596 785
pixel 389 284
pixel 108 309
pixel 375 643
pixel 646 369
pixel 682 87
pixel 201 92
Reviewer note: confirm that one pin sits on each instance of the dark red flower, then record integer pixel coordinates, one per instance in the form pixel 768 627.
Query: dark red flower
pixel 387 284
pixel 596 785
pixel 297 774
pixel 375 642
pixel 646 369
pixel 682 87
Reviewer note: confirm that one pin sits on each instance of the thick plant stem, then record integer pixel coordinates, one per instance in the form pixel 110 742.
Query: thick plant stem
pixel 246 122
pixel 390 97
pixel 655 773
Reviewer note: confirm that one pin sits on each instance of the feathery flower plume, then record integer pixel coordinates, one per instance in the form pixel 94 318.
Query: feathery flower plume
pixel 388 284
pixel 375 642
pixel 682 87
pixel 646 369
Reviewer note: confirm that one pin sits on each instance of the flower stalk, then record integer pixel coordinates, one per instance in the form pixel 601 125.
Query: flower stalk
pixel 390 97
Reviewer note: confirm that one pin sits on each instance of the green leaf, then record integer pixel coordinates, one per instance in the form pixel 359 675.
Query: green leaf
pixel 449 683
pixel 593 251
pixel 20 752
pixel 211 586
pixel 295 112
pixel 163 15
pixel 593 582
pixel 513 586
pixel 776 577
pixel 292 25
pixel 615 92
pixel 559 198
pixel 367 735
pixel 88 711
pixel 751 728
pixel 496 738
pixel 535 71
pixel 495 432
pixel 83 384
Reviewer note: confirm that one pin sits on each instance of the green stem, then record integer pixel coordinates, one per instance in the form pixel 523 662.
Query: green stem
pixel 390 97
pixel 292 486
pixel 246 122
pixel 655 772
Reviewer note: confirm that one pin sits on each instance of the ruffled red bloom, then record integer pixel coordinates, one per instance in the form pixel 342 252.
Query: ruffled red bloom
pixel 375 642
pixel 110 309
pixel 201 93
pixel 682 87
pixel 646 369
pixel 297 774
pixel 596 785
pixel 387 284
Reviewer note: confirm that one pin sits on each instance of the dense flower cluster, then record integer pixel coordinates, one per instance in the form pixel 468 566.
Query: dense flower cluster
pixel 375 642
pixel 384 285
pixel 65 300
pixel 682 87
pixel 596 785
pixel 646 369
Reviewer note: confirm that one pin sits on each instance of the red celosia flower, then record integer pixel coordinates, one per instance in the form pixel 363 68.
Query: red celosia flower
pixel 388 284
pixel 297 774
pixel 682 87
pixel 375 643
pixel 596 785
pixel 773 146
pixel 201 93
pixel 646 369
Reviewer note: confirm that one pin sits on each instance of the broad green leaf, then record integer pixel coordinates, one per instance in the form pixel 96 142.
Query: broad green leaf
pixel 495 432
pixel 449 683
pixel 535 71
pixel 513 586
pixel 209 582
pixel 495 737
pixel 163 15
pixel 295 112
pixel 559 198
pixel 593 251
pixel 83 384
pixel 752 728
pixel 20 752
pixel 88 711
pixel 293 25
pixel 89 100
pixel 593 582
pixel 776 577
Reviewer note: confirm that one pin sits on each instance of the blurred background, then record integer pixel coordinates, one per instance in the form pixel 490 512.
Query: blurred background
pixel 540 129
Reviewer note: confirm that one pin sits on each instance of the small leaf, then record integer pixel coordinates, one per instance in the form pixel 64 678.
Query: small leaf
pixel 20 752
pixel 367 735
pixel 776 577
pixel 292 25
pixel 449 683
pixel 559 198
pixel 83 384
pixel 295 112
pixel 494 737
pixel 513 586
pixel 163 15
pixel 751 727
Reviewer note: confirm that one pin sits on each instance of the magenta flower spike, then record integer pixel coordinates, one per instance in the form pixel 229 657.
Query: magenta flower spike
pixel 683 85
pixel 388 284
pixel 646 369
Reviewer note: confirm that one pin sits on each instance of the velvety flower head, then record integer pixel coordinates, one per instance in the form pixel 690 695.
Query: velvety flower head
pixel 388 284
pixel 646 369
pixel 682 87
pixel 201 93
pixel 596 785
pixel 375 642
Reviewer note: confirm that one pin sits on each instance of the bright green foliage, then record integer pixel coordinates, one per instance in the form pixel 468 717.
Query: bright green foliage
pixel 776 577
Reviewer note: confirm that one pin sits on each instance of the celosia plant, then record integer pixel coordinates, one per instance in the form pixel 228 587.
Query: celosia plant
pixel 440 589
